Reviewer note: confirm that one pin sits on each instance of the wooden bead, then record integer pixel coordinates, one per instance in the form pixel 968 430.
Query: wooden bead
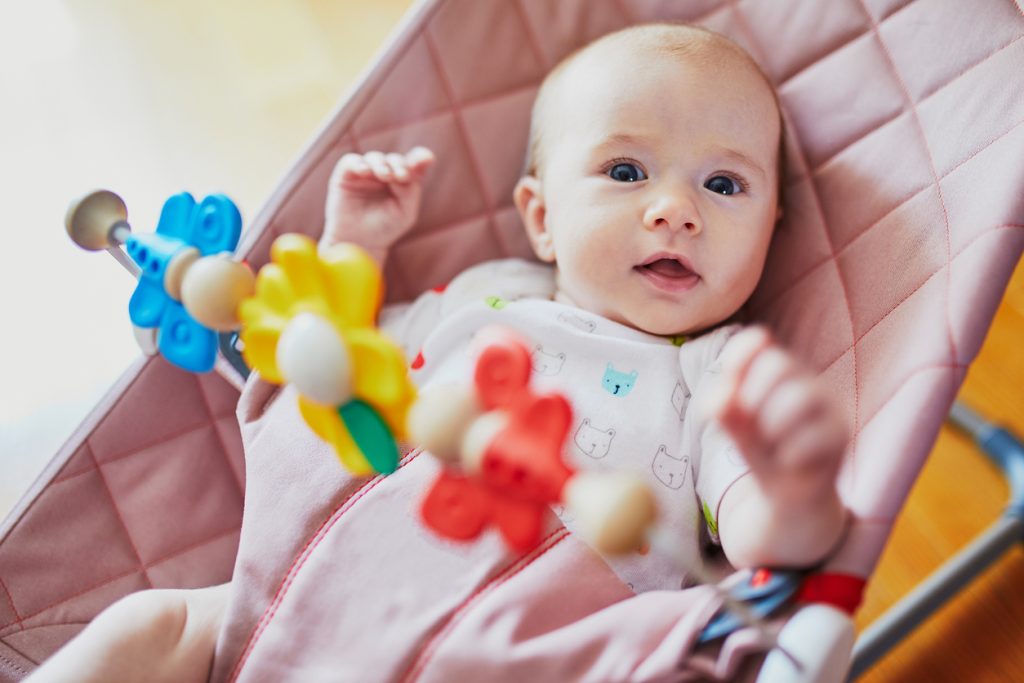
pixel 440 417
pixel 91 219
pixel 613 509
pixel 478 438
pixel 312 356
pixel 212 289
pixel 176 269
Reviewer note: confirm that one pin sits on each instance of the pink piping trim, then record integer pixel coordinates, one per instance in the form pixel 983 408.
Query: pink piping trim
pixel 300 560
pixel 435 641
pixel 20 653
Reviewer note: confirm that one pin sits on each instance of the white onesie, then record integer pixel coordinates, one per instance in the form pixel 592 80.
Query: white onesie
pixel 636 397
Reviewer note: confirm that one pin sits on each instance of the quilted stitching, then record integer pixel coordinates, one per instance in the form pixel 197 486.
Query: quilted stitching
pixel 103 494
pixel 894 190
pixel 853 41
pixel 890 321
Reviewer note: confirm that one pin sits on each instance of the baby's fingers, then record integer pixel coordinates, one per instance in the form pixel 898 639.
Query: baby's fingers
pixel 419 159
pixel 813 446
pixel 399 171
pixel 743 357
pixel 352 166
pixel 378 163
pixel 793 401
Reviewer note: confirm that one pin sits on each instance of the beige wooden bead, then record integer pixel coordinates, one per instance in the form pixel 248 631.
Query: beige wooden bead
pixel 212 289
pixel 478 438
pixel 439 418
pixel 174 274
pixel 91 219
pixel 613 509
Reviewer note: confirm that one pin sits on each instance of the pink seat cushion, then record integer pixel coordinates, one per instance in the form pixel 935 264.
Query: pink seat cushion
pixel 903 223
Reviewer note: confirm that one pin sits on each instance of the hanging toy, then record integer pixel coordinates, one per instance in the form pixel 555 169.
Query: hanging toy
pixel 501 444
pixel 311 324
pixel 189 286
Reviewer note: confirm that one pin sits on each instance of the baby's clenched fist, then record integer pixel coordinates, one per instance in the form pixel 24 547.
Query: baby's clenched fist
pixel 374 198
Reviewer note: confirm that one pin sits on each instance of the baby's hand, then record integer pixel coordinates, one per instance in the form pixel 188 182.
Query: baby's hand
pixel 373 199
pixel 782 419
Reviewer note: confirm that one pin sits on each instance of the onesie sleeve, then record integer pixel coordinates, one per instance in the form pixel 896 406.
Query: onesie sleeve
pixel 495 282
pixel 717 462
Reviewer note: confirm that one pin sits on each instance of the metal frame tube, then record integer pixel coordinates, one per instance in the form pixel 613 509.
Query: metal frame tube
pixel 889 629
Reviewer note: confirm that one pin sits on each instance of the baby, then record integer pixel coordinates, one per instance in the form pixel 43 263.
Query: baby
pixel 650 196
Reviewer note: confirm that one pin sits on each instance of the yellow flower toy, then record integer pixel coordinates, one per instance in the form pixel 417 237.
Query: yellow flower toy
pixel 311 323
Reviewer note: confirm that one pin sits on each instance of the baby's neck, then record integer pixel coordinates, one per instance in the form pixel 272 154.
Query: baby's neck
pixel 563 298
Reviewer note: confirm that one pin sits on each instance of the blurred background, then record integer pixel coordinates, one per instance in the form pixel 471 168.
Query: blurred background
pixel 147 99
pixel 152 98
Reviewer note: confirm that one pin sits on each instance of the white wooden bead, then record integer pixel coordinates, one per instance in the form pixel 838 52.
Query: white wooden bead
pixel 313 357
pixel 613 509
pixel 439 418
pixel 478 437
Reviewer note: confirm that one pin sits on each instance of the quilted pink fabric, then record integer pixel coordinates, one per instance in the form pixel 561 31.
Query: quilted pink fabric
pixel 905 218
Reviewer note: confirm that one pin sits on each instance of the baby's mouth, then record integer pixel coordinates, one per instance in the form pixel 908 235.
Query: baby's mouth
pixel 668 272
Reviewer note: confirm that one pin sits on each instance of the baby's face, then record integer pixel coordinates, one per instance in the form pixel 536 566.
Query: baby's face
pixel 659 187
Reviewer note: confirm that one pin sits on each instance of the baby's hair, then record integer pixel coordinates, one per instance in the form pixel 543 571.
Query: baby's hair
pixel 676 40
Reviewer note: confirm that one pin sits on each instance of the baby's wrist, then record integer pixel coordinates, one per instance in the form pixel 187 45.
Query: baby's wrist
pixel 378 253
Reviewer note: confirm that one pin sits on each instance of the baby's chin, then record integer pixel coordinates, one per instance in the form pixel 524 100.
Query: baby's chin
pixel 662 323
pixel 670 324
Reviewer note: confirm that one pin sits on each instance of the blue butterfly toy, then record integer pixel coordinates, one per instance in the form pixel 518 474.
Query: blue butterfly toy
pixel 185 228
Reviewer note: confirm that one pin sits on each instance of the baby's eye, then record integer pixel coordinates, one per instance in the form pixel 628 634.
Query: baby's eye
pixel 626 173
pixel 722 184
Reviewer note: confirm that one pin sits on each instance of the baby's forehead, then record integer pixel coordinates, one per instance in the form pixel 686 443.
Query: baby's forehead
pixel 615 71
pixel 616 82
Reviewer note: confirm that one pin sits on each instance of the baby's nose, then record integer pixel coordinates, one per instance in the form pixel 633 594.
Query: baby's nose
pixel 674 213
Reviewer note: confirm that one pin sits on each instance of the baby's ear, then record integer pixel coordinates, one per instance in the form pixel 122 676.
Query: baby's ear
pixel 529 199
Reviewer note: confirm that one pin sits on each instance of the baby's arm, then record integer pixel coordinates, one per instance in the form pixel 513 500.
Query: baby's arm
pixel 153 635
pixel 788 512
pixel 373 199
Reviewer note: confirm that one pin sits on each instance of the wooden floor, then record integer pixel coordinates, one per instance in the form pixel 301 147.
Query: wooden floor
pixel 979 636
pixel 149 98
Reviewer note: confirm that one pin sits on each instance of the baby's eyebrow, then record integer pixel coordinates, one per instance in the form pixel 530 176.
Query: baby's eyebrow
pixel 740 157
pixel 621 140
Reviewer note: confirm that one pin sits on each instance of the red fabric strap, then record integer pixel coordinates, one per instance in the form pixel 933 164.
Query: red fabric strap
pixel 844 591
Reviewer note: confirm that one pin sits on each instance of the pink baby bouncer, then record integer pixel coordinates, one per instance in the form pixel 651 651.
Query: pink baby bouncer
pixel 904 219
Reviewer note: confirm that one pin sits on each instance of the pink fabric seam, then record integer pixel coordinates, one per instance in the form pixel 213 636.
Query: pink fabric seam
pixel 17 617
pixel 435 641
pixel 300 560
pixel 935 178
pixel 220 439
pixel 120 517
pixel 120 576
pixel 12 664
pixel 139 449
pixel 460 125
pixel 807 273
pixel 742 21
